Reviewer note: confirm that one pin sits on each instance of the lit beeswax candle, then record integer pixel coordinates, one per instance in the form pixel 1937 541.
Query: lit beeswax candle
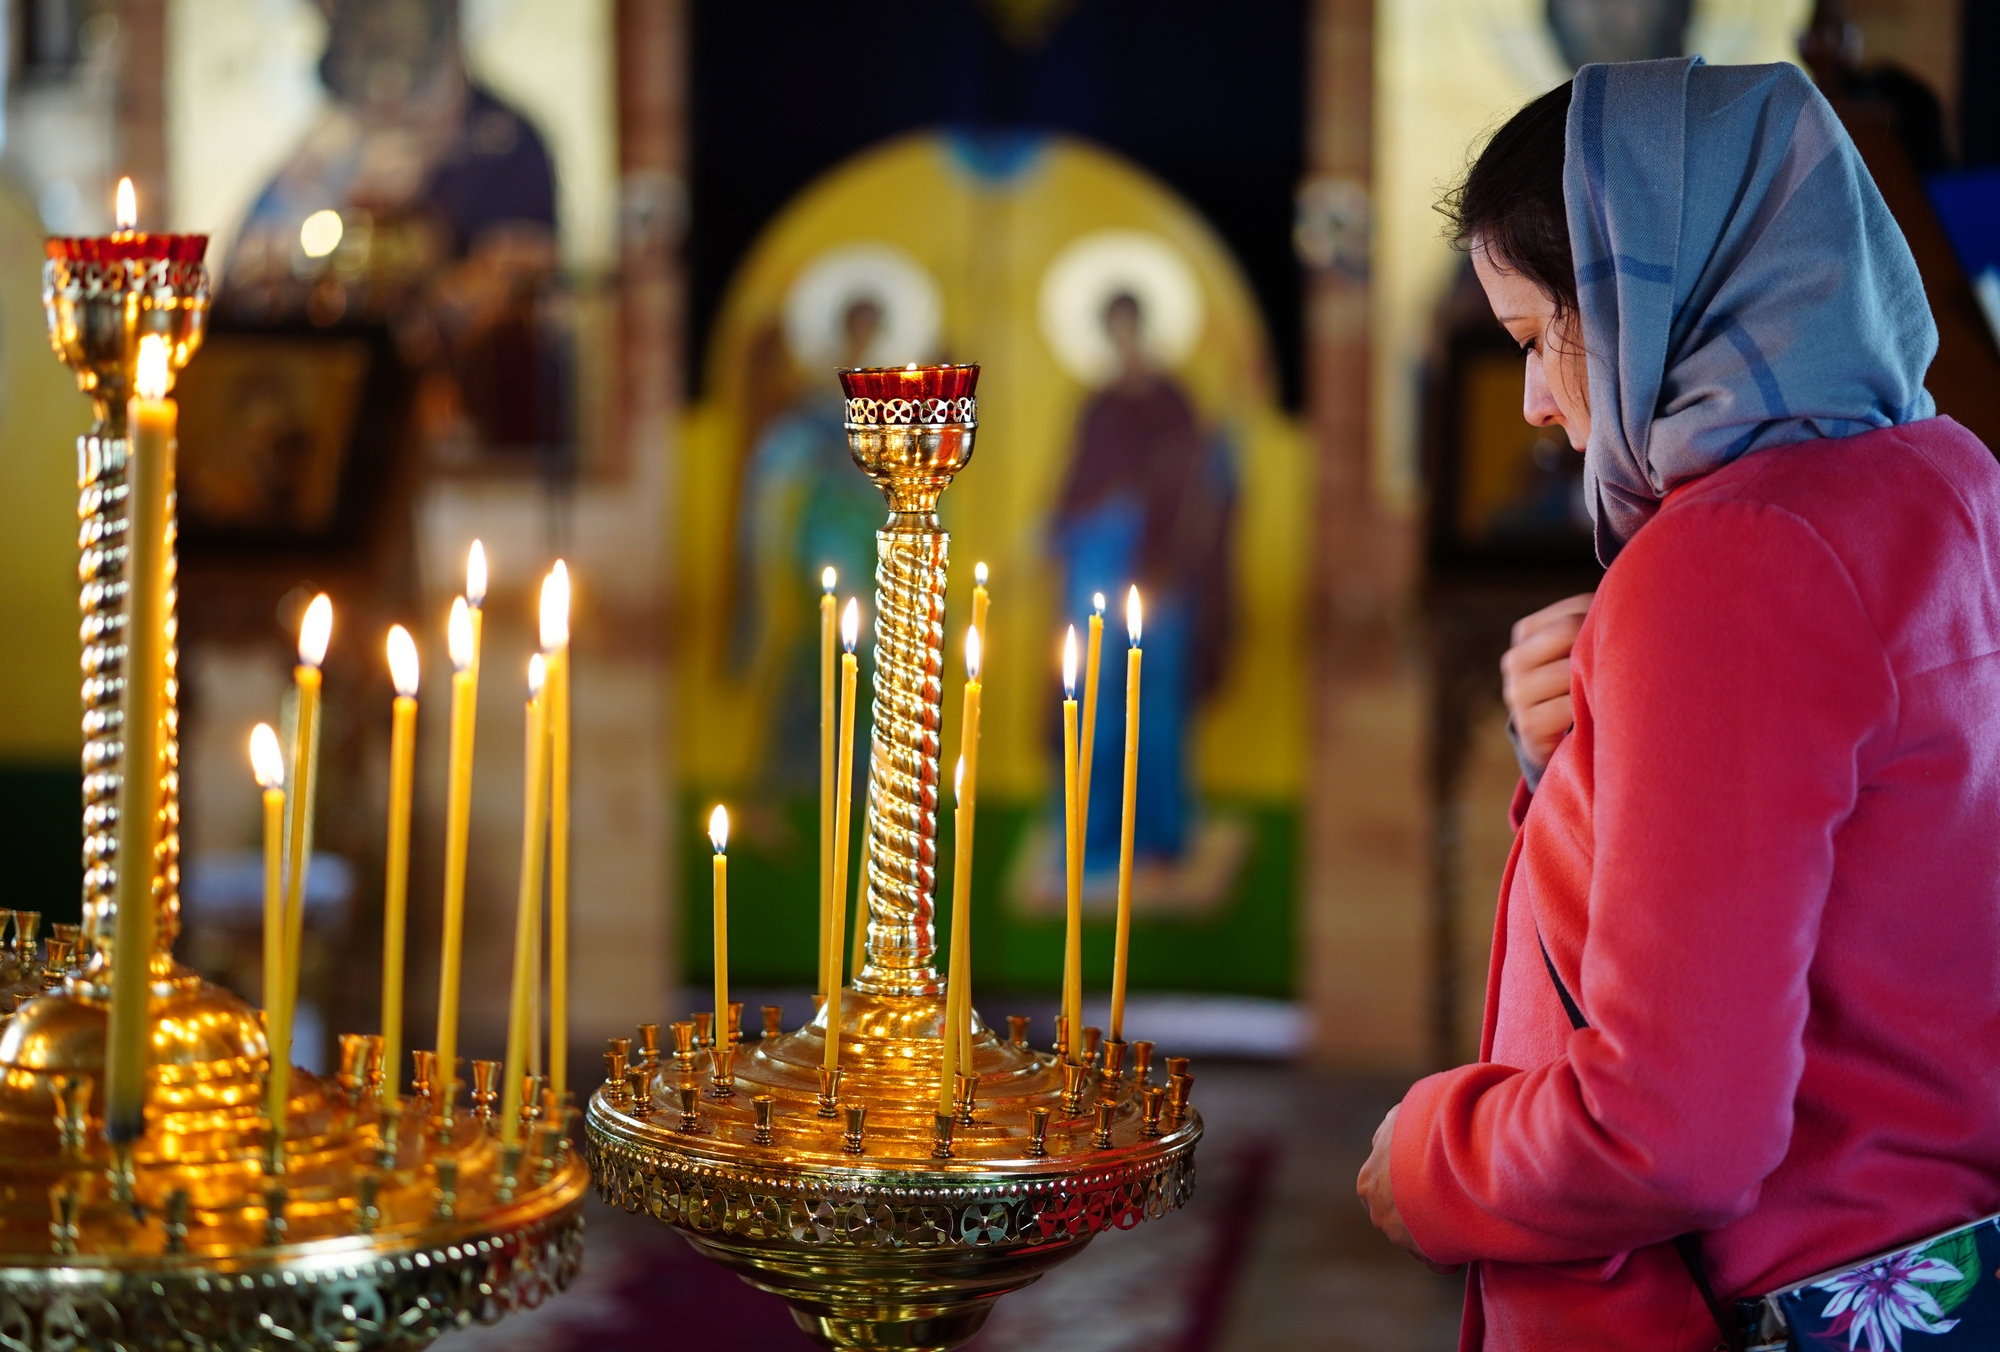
pixel 267 761
pixel 463 643
pixel 315 632
pixel 527 913
pixel 1086 743
pixel 965 785
pixel 1072 988
pixel 955 1049
pixel 827 580
pixel 850 634
pixel 718 836
pixel 1131 800
pixel 152 419
pixel 555 647
pixel 396 885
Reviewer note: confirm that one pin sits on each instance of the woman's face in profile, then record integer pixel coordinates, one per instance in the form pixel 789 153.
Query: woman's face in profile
pixel 1556 391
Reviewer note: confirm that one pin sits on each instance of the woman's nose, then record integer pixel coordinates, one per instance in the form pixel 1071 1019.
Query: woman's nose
pixel 1538 406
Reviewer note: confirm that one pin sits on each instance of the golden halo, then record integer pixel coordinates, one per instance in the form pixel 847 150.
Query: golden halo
pixel 1094 269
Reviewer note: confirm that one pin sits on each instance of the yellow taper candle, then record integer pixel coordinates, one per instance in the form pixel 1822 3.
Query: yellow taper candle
pixel 827 641
pixel 954 1047
pixel 267 761
pixel 718 836
pixel 462 640
pixel 1128 809
pixel 850 634
pixel 555 646
pixel 965 791
pixel 315 632
pixel 1086 744
pixel 1072 987
pixel 396 884
pixel 152 418
pixel 527 913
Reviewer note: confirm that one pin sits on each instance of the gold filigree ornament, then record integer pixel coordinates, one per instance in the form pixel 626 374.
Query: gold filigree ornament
pixel 192 1238
pixel 882 1221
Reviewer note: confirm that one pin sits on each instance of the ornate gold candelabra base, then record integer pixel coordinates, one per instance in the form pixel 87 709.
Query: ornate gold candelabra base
pixel 376 1234
pixel 890 1247
pixel 885 1222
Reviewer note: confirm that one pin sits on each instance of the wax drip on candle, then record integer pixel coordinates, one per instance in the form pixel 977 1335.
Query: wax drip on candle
pixel 267 758
pixel 402 661
pixel 1069 664
pixel 475 575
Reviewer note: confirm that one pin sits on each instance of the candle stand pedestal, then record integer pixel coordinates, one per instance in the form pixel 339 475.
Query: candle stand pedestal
pixel 881 1224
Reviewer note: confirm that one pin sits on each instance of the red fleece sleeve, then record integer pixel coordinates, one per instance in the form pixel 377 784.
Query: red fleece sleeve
pixel 1731 683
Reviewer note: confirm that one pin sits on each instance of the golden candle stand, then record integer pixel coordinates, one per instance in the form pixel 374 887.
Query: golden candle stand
pixel 883 1222
pixel 368 1229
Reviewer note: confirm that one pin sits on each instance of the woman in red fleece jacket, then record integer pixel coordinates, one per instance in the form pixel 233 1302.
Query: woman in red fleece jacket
pixel 1762 848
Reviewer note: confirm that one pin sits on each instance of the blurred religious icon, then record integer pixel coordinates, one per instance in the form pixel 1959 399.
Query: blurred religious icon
pixel 801 505
pixel 420 202
pixel 1619 30
pixel 1149 498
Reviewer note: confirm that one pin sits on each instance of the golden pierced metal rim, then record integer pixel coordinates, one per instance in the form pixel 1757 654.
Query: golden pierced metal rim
pixel 960 412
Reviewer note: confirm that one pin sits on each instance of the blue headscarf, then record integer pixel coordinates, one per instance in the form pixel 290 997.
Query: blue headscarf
pixel 1742 283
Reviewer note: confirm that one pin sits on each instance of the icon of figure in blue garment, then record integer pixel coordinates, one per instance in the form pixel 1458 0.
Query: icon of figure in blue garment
pixel 804 506
pixel 1150 499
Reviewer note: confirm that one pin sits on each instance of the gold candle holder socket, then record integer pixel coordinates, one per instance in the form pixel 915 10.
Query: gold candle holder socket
pixel 532 1088
pixel 423 1073
pixel 390 1128
pixel 25 925
pixel 367 1203
pixel 735 1020
pixel 704 1029
pixel 353 1063
pixel 509 1177
pixel 965 1088
pixel 638 1088
pixel 1113 1072
pixel 1153 1100
pixel 614 1071
pixel 444 1197
pixel 1075 1079
pixel 857 1127
pixel 1038 1132
pixel 829 1092
pixel 174 1221
pixel 1091 1038
pixel 1179 1089
pixel 941 1136
pixel 621 1045
pixel 554 1137
pixel 1176 1065
pixel 275 1226
pixel 721 1059
pixel 1017 1030
pixel 63 1202
pixel 649 1045
pixel 485 1090
pixel 761 1106
pixel 684 1045
pixel 774 1022
pixel 690 1106
pixel 1101 1138
pixel 72 1102
pixel 373 1072
pixel 1142 1061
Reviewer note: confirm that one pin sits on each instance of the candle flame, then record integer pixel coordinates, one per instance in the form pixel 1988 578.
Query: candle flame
pixel 316 631
pixel 149 380
pixel 475 575
pixel 958 782
pixel 979 574
pixel 128 205
pixel 1132 615
pixel 538 672
pixel 1069 663
pixel 267 760
pixel 1097 603
pixel 850 624
pixel 974 651
pixel 403 660
pixel 458 634
pixel 718 828
pixel 555 608
pixel 828 579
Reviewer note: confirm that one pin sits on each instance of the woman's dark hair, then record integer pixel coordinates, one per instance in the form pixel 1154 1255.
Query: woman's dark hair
pixel 1511 201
